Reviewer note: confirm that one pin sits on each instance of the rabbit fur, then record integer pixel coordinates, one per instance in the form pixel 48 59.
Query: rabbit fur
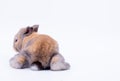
pixel 36 51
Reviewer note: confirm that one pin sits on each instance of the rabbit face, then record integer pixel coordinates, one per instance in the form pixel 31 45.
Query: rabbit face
pixel 22 33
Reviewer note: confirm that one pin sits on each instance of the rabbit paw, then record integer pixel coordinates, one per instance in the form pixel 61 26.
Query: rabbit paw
pixel 18 62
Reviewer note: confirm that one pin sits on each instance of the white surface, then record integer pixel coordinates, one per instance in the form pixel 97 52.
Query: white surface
pixel 88 32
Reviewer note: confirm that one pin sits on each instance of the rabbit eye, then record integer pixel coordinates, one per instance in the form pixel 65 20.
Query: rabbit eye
pixel 16 40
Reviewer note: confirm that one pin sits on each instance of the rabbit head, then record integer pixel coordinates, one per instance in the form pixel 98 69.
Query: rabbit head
pixel 22 33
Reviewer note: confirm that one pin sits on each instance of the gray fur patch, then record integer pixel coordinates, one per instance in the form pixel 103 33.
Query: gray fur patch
pixel 60 64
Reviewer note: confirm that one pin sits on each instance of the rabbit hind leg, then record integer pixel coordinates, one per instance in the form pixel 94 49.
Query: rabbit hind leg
pixel 58 63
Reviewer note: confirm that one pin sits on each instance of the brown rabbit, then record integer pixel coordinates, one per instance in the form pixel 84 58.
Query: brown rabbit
pixel 37 51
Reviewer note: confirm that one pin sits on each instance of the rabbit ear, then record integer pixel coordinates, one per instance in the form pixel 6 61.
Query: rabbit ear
pixel 35 28
pixel 28 31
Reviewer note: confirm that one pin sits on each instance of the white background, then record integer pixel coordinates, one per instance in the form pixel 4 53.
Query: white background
pixel 88 32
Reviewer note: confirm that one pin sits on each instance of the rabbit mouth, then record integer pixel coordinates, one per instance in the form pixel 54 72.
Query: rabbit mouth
pixel 17 48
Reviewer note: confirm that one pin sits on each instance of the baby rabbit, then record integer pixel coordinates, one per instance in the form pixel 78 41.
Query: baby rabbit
pixel 37 51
